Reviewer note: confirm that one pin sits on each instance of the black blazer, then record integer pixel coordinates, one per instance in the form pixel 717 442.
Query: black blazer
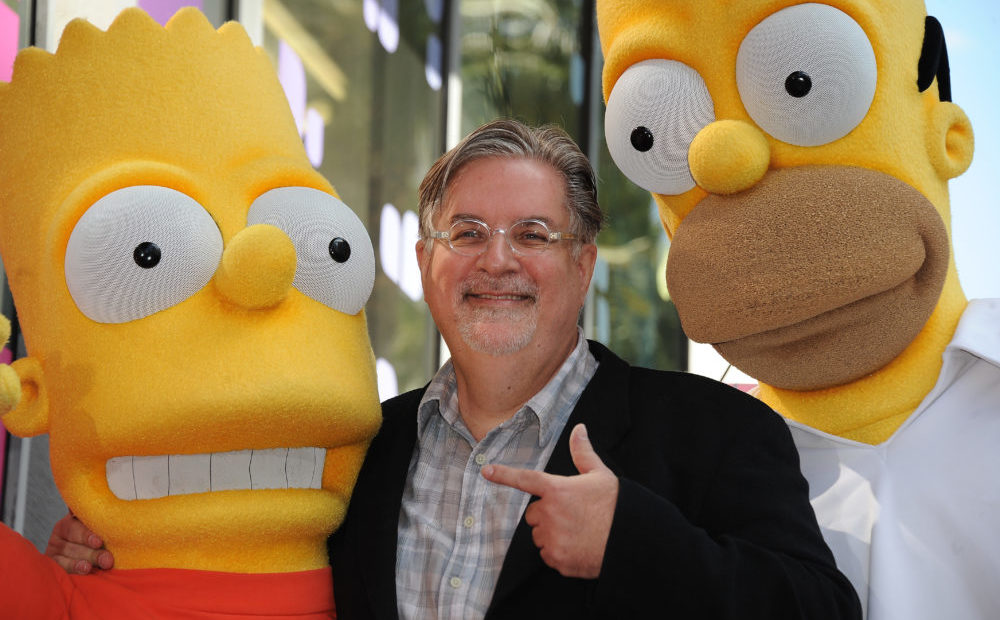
pixel 713 517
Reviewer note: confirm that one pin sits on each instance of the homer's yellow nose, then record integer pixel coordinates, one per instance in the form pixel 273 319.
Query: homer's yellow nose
pixel 728 156
pixel 257 268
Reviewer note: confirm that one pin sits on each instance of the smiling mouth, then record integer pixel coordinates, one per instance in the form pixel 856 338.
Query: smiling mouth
pixel 152 477
pixel 498 297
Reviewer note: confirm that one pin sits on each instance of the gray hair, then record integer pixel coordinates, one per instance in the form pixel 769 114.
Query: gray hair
pixel 508 138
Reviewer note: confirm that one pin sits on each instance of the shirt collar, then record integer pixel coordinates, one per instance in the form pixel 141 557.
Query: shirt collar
pixel 441 396
pixel 546 403
pixel 978 331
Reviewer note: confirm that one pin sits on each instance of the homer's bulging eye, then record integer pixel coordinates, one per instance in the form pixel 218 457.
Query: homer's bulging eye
pixel 642 139
pixel 335 261
pixel 654 111
pixel 140 250
pixel 806 74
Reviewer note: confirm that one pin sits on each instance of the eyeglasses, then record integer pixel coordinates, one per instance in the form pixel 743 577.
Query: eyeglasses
pixel 470 237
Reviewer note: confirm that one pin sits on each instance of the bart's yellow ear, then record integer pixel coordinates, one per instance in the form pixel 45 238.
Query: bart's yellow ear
pixel 22 387
pixel 10 385
pixel 949 140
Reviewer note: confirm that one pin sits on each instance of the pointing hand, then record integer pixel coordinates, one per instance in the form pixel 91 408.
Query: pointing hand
pixel 571 521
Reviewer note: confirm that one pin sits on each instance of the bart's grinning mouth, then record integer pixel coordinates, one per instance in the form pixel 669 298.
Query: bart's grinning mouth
pixel 152 477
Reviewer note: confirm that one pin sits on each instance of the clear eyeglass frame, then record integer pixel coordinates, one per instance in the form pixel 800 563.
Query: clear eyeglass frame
pixel 470 237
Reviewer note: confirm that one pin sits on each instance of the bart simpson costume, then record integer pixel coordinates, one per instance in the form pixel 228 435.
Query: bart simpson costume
pixel 190 292
pixel 799 154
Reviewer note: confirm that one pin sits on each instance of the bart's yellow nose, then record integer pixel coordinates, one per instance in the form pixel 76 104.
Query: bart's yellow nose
pixel 728 156
pixel 257 268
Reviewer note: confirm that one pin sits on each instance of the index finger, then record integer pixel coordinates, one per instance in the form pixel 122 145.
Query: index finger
pixel 527 480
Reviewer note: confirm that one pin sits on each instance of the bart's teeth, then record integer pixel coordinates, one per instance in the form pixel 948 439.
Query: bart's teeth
pixel 150 477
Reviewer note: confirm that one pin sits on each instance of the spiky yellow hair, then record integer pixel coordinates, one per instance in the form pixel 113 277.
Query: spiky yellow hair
pixel 87 120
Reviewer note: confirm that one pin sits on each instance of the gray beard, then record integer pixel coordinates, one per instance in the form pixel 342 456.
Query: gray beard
pixel 497 331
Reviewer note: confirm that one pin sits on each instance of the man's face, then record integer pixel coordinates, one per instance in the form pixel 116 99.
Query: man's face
pixel 500 302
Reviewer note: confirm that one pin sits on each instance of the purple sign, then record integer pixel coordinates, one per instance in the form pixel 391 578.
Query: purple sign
pixel 10 27
pixel 5 358
pixel 163 10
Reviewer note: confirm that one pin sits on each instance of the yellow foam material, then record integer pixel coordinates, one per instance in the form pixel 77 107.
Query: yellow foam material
pixel 258 248
pixel 908 135
pixel 10 384
pixel 199 111
pixel 728 157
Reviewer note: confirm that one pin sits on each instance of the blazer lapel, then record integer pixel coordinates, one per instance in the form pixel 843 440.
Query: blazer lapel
pixel 603 408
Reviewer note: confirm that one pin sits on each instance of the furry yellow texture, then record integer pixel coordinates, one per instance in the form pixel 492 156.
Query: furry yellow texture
pixel 728 156
pixel 258 267
pixel 10 389
pixel 10 384
pixel 909 135
pixel 199 111
pixel 29 415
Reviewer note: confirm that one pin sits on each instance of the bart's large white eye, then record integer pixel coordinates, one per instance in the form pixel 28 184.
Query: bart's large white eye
pixel 807 74
pixel 336 262
pixel 654 111
pixel 140 250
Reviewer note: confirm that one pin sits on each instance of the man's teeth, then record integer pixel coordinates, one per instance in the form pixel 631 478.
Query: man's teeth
pixel 150 477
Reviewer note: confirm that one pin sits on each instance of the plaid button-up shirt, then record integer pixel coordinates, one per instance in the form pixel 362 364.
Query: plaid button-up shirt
pixel 454 525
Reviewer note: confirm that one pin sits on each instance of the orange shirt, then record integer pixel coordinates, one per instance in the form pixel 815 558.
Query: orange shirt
pixel 34 586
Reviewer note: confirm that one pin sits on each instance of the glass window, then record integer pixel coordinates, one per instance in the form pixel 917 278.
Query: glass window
pixel 364 80
pixel 630 309
pixel 524 60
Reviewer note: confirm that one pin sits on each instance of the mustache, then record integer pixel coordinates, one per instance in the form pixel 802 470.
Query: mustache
pixel 507 284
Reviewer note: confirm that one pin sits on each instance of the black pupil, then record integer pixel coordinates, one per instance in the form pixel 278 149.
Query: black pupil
pixel 798 84
pixel 146 255
pixel 642 139
pixel 340 249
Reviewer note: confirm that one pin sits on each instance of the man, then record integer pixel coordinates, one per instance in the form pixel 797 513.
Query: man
pixel 663 494
pixel 684 500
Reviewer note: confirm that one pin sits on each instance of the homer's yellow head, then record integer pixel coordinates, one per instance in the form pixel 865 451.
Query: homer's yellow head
pixel 799 154
pixel 190 292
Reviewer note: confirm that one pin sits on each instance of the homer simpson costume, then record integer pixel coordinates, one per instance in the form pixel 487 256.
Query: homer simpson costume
pixel 799 155
pixel 190 292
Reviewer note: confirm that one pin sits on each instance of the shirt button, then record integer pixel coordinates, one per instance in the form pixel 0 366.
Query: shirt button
pixel 480 459
pixel 469 521
pixel 455 582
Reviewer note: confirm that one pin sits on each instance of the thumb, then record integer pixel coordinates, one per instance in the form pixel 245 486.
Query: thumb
pixel 584 457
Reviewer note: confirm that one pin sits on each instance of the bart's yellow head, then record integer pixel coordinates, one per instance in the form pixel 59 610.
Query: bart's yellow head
pixel 799 154
pixel 190 291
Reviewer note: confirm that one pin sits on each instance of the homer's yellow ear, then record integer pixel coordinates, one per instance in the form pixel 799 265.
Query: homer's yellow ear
pixel 949 140
pixel 22 387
